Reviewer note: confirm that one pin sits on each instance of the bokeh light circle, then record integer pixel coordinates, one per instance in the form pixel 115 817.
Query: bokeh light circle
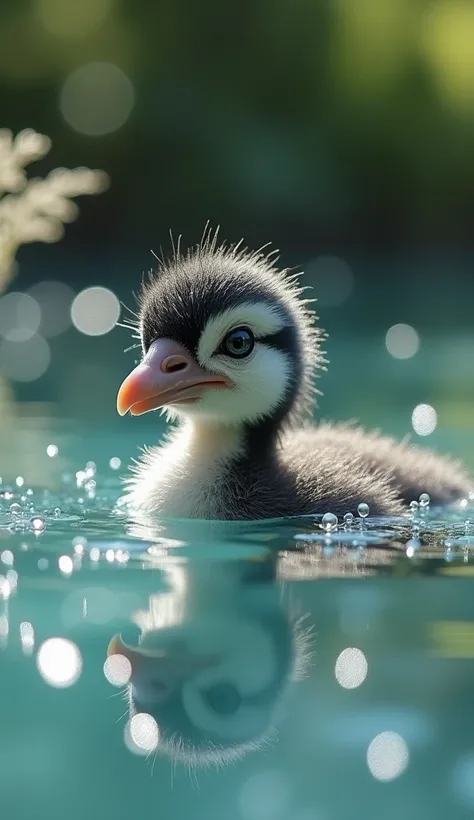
pixel 332 278
pixel 402 341
pixel 118 670
pixel 54 299
pixel 20 317
pixel 59 662
pixel 95 311
pixel 351 668
pixel 387 756
pixel 25 361
pixel 265 796
pixel 97 99
pixel 70 18
pixel 142 734
pixel 424 419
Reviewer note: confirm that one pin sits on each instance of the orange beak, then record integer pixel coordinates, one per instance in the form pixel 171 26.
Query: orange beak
pixel 168 374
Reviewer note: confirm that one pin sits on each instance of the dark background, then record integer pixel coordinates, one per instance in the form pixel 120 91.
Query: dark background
pixel 328 127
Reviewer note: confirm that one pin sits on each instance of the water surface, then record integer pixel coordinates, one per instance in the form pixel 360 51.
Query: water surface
pixel 282 670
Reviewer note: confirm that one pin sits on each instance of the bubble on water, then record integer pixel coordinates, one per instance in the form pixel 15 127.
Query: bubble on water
pixel 65 564
pixel 329 522
pixel 27 637
pixel 94 554
pixel 412 546
pixel 43 564
pixel 348 520
pixel 91 469
pixel 38 524
pixel 80 478
pixel 15 509
pixel 79 544
pixel 115 463
pixel 5 588
pixel 52 450
pixel 4 627
pixel 7 558
pixel 424 500
pixel 363 509
pixel 110 556
pixel 414 507
pixel 19 481
pixel 30 492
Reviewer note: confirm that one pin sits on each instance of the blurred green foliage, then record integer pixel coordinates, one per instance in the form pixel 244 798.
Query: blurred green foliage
pixel 327 127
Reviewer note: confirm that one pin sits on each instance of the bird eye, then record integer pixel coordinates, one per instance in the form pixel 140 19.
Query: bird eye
pixel 238 343
pixel 223 698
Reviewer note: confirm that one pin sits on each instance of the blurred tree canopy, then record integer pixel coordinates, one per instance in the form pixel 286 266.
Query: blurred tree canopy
pixel 327 126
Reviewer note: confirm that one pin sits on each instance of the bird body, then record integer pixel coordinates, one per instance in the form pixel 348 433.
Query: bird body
pixel 230 350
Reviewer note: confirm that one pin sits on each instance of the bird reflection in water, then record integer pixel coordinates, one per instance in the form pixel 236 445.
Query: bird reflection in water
pixel 218 655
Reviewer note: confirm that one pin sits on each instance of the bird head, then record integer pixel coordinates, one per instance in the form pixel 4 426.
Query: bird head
pixel 226 337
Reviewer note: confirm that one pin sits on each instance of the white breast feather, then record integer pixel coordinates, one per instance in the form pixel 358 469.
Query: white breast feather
pixel 182 477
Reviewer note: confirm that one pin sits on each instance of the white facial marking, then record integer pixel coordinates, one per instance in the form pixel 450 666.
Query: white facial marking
pixel 259 380
pixel 260 317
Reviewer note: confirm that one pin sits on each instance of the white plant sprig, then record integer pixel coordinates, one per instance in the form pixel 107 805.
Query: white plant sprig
pixel 35 210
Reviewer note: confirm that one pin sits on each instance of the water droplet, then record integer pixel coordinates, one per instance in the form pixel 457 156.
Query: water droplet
pixel 57 512
pixel 37 524
pixel 19 481
pixel 91 469
pixel 15 509
pixel 52 450
pixel 424 500
pixel 363 510
pixel 414 507
pixel 29 491
pixel 329 522
pixel 348 520
pixel 115 463
pixel 43 564
pixel 65 564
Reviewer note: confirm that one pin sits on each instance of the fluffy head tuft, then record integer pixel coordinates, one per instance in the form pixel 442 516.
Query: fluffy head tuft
pixel 197 297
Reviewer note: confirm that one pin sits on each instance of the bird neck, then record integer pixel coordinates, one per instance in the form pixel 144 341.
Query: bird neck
pixel 243 443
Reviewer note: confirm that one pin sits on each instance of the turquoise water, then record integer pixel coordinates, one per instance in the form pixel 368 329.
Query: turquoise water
pixel 286 671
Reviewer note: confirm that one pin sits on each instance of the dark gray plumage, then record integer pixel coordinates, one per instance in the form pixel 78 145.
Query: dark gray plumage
pixel 243 451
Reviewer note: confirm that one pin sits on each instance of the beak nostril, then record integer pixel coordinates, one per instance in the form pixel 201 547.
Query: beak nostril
pixel 172 364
